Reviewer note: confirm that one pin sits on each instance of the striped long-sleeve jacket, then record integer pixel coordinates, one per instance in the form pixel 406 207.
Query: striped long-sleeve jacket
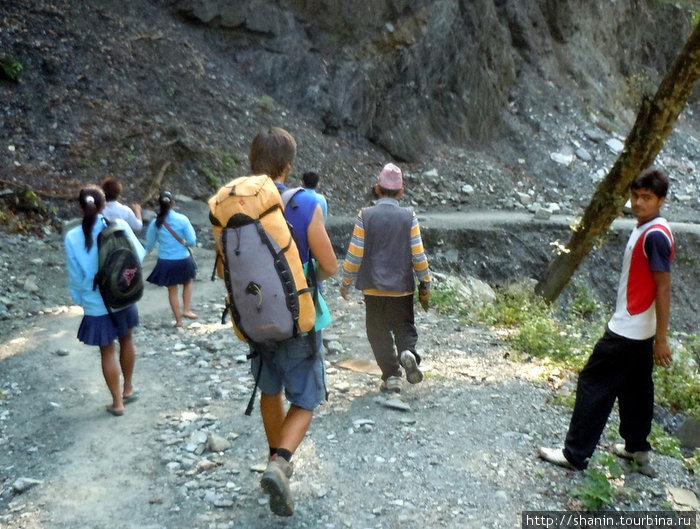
pixel 385 251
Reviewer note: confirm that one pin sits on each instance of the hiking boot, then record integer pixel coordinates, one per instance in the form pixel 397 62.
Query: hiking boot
pixel 641 459
pixel 556 456
pixel 391 385
pixel 408 361
pixel 287 466
pixel 275 482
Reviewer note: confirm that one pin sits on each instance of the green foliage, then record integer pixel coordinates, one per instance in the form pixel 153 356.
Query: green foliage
pixel 446 300
pixel 693 463
pixel 266 102
pixel 537 329
pixel 677 387
pixel 639 84
pixel 582 302
pixel 565 336
pixel 25 212
pixel 695 18
pixel 11 69
pixel 597 490
pixel 663 443
pixel 566 399
pixel 210 176
pixel 222 172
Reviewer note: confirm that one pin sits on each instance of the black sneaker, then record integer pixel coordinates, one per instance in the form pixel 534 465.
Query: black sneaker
pixel 408 361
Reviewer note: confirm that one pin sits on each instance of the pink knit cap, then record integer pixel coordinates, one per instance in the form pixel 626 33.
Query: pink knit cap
pixel 390 177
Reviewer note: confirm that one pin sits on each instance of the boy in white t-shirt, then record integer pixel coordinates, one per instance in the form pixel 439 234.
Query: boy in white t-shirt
pixel 635 338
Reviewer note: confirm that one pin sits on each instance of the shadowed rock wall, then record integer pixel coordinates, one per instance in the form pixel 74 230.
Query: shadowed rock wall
pixel 410 74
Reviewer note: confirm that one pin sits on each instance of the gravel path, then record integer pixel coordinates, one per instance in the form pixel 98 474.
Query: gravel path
pixel 456 451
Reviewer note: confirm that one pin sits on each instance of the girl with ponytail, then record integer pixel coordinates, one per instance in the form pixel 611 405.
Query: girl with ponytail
pixel 173 233
pixel 97 327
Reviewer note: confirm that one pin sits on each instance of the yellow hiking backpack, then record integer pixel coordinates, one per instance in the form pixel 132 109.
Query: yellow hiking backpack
pixel 268 296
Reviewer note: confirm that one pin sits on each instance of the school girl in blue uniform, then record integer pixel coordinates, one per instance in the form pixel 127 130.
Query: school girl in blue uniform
pixel 97 327
pixel 173 233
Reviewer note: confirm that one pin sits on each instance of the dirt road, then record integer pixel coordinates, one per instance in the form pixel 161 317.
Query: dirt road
pixel 455 451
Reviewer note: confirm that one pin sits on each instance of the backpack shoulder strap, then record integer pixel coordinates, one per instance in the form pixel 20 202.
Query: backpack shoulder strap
pixel 289 194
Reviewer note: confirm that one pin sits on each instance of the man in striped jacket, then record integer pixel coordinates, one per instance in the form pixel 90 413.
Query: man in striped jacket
pixel 385 252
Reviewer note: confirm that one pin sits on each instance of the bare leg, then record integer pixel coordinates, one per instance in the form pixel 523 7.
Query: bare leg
pixel 284 431
pixel 294 428
pixel 175 304
pixel 127 359
pixel 111 373
pixel 187 289
pixel 272 411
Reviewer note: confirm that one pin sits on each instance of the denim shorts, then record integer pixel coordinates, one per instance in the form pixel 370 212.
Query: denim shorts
pixel 294 366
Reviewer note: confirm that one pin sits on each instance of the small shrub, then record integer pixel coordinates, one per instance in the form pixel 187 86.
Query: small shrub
pixel 223 170
pixel 695 18
pixel 266 103
pixel 567 399
pixel 538 331
pixel 677 387
pixel 210 176
pixel 693 463
pixel 11 69
pixel 665 444
pixel 582 302
pixel 444 300
pixel 447 299
pixel 597 490
pixel 228 163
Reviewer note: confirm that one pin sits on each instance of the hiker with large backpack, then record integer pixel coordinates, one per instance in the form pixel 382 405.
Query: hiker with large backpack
pixel 174 235
pixel 104 276
pixel 248 221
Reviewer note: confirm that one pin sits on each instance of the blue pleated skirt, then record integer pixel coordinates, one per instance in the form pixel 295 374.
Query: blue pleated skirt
pixel 169 272
pixel 103 330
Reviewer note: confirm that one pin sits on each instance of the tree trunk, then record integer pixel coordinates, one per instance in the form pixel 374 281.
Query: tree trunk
pixel 654 123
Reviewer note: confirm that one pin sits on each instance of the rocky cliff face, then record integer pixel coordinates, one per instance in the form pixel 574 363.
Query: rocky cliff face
pixel 476 99
pixel 410 74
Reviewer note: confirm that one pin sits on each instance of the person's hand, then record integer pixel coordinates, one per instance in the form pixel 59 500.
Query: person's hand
pixel 424 298
pixel 662 353
pixel 137 209
pixel 344 291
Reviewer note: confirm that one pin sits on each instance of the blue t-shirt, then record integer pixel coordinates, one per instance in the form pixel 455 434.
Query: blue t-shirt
pixel 658 251
pixel 169 247
pixel 321 201
pixel 299 212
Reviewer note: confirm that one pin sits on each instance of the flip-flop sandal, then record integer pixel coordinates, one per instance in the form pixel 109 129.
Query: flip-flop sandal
pixel 133 397
pixel 112 411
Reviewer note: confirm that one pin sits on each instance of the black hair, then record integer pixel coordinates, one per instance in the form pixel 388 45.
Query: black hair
pixel 112 188
pixel 91 200
pixel 165 200
pixel 653 179
pixel 310 179
pixel 389 193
